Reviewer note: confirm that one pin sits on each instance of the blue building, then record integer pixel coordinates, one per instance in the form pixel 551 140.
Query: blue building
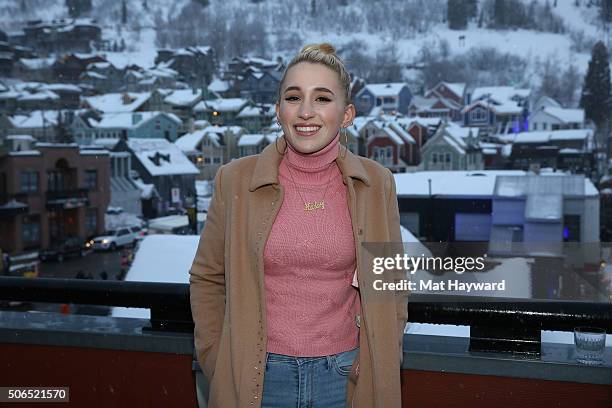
pixel 386 98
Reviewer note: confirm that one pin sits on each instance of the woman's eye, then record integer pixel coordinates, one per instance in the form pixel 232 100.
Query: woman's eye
pixel 291 98
pixel 323 99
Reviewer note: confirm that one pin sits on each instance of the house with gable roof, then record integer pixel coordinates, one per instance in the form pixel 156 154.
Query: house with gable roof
pixel 219 146
pixel 117 102
pixel 195 65
pixel 221 111
pixel 129 125
pixel 497 109
pixel 389 144
pixel 444 100
pixel 556 118
pixel 162 164
pixel 383 98
pixel 452 148
pixel 254 143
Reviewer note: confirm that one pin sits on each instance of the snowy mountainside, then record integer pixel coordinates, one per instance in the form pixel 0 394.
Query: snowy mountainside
pixel 274 28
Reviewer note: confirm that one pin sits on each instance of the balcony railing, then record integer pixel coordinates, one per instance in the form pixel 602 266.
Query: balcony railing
pixel 502 362
pixel 68 198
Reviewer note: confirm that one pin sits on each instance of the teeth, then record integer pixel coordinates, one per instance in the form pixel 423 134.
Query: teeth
pixel 307 129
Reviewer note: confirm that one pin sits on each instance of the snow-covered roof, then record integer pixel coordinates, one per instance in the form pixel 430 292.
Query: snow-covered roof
pixel 183 97
pixel 160 157
pixel 222 105
pixel 545 136
pixel 499 94
pixel 36 119
pixel 249 111
pixel 38 96
pixel 218 85
pixel 456 87
pixel 506 108
pixel 484 183
pixel 388 132
pixel 152 264
pixel 250 140
pixel 566 115
pixel 146 190
pixel 189 141
pixel 37 63
pixel 388 89
pixel 118 102
pixel 62 87
pixel 132 120
pixel 449 183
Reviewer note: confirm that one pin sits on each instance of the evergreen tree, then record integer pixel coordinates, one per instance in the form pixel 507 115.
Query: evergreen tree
pixel 606 10
pixel 124 13
pixel 595 98
pixel 471 8
pixel 457 14
pixel 499 14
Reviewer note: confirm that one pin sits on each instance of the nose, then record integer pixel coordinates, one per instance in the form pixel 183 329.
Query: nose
pixel 305 111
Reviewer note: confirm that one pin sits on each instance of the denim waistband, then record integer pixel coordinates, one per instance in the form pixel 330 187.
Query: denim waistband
pixel 299 360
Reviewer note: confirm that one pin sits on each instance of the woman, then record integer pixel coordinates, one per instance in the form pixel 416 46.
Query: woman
pixel 278 322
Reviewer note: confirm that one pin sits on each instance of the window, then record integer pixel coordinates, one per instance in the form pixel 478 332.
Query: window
pixel 544 126
pixel 434 158
pixel 91 179
pixel 29 181
pixel 378 101
pixel 478 115
pixel 389 151
pixel 448 158
pixel 91 221
pixel 207 160
pixel 388 100
pixel 535 125
pixel 216 160
pixel 571 228
pixel 30 231
pixel 365 99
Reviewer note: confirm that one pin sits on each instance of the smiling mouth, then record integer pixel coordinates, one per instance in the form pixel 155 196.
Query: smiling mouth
pixel 307 130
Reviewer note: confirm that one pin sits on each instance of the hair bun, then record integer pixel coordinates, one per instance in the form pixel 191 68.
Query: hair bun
pixel 325 48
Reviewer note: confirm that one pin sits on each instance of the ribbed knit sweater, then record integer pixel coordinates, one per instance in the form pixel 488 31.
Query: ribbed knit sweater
pixel 309 261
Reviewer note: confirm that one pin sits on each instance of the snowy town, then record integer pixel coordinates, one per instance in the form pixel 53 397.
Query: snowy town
pixel 493 116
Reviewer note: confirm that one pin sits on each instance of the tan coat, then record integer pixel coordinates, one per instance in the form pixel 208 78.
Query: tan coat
pixel 227 289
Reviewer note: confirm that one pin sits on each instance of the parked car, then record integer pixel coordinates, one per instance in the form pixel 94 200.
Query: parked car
pixel 139 233
pixel 114 239
pixel 60 249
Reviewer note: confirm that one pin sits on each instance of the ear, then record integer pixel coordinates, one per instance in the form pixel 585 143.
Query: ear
pixel 349 115
pixel 277 109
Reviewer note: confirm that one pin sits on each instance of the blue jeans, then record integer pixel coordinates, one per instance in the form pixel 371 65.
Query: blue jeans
pixel 307 382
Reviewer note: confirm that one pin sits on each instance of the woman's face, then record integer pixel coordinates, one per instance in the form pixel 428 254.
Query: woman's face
pixel 311 109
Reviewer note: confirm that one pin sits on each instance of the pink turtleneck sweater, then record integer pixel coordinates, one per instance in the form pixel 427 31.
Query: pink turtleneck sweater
pixel 309 261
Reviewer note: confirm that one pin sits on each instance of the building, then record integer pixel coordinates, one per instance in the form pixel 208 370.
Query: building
pixel 497 109
pixel 452 148
pixel 383 98
pixel 129 125
pixel 51 192
pixel 571 150
pixel 160 163
pixel 500 207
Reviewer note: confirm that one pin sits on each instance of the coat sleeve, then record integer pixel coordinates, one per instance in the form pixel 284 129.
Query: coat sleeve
pixel 401 297
pixel 207 283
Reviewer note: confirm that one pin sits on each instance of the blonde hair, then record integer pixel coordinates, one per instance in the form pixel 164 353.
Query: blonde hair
pixel 324 54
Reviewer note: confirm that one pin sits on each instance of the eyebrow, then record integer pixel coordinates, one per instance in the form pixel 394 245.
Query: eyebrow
pixel 297 88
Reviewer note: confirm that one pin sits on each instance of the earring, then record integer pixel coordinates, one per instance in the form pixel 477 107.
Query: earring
pixel 343 130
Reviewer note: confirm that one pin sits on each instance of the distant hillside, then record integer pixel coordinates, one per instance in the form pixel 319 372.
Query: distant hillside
pixel 381 40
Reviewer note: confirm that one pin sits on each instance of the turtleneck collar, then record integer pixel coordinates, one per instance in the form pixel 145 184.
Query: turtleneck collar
pixel 313 162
